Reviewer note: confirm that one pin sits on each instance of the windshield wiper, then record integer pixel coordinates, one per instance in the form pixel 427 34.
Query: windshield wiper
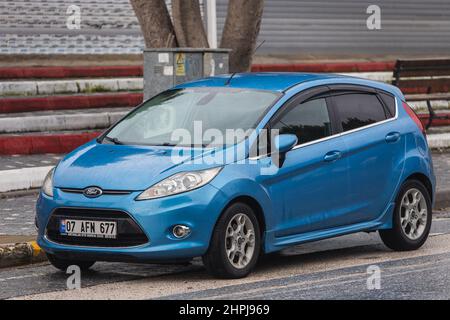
pixel 165 144
pixel 113 140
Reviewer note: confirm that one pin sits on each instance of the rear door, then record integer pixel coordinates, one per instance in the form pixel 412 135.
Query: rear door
pixel 375 148
pixel 311 189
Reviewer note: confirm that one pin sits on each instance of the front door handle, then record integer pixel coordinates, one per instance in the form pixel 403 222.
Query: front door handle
pixel 392 137
pixel 332 156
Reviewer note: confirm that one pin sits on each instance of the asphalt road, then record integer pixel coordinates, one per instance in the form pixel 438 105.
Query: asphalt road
pixel 328 269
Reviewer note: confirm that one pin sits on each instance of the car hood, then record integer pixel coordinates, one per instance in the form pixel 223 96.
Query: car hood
pixel 118 167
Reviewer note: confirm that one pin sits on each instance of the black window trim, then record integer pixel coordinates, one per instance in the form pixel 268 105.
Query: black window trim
pixel 328 91
pixel 336 90
pixel 321 91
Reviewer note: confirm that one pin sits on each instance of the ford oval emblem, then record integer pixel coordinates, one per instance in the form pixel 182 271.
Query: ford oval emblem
pixel 92 192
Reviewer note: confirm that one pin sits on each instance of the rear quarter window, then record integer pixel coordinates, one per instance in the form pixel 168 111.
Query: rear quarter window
pixel 389 102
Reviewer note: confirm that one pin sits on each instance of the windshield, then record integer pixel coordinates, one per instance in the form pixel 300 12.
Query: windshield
pixel 175 117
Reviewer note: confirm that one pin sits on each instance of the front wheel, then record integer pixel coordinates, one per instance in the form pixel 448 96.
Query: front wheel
pixel 236 243
pixel 411 219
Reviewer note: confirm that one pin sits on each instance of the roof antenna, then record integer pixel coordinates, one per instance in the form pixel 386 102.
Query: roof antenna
pixel 227 83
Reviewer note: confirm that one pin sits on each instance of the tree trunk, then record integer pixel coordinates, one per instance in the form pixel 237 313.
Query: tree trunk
pixel 188 24
pixel 155 23
pixel 240 32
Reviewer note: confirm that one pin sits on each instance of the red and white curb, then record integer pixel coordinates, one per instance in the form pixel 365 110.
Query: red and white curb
pixel 60 122
pixel 43 143
pixel 70 72
pixel 65 102
pixel 63 72
pixel 49 87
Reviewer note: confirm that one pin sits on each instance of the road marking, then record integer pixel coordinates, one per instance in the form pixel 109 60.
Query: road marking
pixel 321 283
pixel 23 277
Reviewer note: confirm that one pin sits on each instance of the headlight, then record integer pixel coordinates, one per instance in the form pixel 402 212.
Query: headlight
pixel 178 183
pixel 47 186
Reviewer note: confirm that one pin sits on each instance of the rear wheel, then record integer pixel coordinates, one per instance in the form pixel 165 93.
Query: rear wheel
pixel 411 219
pixel 236 243
pixel 63 264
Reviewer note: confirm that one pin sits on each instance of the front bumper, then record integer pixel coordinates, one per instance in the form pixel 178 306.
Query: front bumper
pixel 199 209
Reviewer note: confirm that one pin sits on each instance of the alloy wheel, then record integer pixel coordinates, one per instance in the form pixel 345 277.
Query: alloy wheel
pixel 413 214
pixel 240 240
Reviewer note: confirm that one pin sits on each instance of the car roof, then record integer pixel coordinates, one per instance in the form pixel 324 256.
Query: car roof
pixel 272 81
pixel 283 81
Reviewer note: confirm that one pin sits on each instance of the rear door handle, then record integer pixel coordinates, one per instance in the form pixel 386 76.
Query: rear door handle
pixel 332 156
pixel 392 137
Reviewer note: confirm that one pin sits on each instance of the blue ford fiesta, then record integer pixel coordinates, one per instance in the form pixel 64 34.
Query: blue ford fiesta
pixel 317 156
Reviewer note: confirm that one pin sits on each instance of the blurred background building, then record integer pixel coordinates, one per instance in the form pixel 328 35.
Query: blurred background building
pixel 289 27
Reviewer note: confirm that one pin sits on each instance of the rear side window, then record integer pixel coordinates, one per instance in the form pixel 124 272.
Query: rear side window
pixel 356 110
pixel 309 121
pixel 389 102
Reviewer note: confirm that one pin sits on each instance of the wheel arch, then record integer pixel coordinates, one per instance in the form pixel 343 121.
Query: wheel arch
pixel 424 180
pixel 252 203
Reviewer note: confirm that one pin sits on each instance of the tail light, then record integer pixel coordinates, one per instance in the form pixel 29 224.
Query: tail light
pixel 414 117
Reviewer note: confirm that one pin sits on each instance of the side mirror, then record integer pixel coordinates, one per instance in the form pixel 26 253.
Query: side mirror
pixel 282 144
pixel 285 142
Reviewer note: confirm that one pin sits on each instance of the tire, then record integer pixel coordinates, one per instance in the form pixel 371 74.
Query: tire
pixel 63 264
pixel 403 238
pixel 217 261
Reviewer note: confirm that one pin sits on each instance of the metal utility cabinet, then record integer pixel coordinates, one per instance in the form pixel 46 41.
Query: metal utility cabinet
pixel 167 67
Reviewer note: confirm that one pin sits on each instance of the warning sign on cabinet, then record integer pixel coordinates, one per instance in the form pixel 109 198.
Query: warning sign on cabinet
pixel 180 64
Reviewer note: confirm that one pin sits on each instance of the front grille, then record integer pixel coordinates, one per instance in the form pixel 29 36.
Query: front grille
pixel 128 232
pixel 104 192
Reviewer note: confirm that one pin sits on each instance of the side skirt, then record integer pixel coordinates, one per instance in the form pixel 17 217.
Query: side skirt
pixel 273 243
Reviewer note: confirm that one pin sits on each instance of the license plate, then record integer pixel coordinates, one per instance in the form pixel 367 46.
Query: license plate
pixel 88 228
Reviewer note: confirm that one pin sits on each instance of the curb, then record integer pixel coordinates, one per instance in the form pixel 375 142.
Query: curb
pixel 111 100
pixel 333 67
pixel 137 70
pixel 20 254
pixel 436 122
pixel 38 144
pixel 49 87
pixel 22 179
pixel 70 72
pixel 60 122
pixel 439 140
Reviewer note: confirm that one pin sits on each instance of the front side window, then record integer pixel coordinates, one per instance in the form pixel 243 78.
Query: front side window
pixel 357 110
pixel 309 121
pixel 218 109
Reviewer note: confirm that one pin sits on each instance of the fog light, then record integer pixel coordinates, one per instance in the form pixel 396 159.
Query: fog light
pixel 180 231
